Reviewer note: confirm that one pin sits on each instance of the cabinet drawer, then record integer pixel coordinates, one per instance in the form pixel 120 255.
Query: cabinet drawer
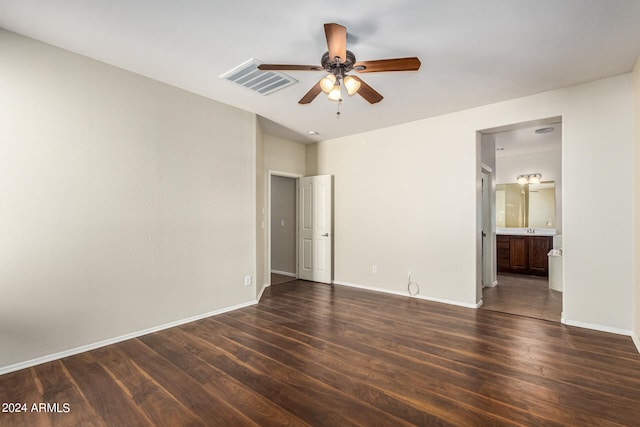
pixel 502 242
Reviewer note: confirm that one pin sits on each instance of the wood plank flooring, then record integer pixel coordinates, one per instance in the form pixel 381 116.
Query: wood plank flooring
pixel 525 296
pixel 313 354
pixel 278 279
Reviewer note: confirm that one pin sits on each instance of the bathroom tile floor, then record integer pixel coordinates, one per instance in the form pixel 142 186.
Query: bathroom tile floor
pixel 525 296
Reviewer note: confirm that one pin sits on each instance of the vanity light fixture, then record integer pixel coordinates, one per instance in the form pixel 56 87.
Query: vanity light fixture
pixel 531 178
pixel 535 178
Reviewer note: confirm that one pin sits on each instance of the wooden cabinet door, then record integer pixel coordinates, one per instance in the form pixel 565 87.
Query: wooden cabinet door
pixel 502 249
pixel 539 247
pixel 518 254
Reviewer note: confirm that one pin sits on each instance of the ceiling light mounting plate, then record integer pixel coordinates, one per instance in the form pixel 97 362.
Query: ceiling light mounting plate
pixel 547 129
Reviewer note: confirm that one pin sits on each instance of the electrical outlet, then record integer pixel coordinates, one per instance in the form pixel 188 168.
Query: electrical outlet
pixel 247 280
pixel 374 268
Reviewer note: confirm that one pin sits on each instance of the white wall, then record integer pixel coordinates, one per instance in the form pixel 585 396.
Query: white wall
pixel 406 199
pixel 283 155
pixel 125 203
pixel 548 163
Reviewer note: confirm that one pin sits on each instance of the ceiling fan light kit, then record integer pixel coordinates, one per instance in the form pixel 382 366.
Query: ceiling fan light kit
pixel 338 61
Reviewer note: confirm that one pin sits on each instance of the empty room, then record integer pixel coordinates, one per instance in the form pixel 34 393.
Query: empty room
pixel 294 213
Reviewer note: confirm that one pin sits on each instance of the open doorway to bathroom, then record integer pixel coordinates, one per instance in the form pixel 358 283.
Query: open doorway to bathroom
pixel 526 160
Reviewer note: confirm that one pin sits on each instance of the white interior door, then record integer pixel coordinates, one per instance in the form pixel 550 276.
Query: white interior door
pixel 315 229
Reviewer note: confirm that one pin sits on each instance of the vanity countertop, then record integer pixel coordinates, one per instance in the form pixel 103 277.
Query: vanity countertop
pixel 526 231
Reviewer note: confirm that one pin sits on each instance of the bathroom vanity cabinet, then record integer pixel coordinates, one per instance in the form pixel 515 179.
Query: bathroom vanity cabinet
pixel 523 254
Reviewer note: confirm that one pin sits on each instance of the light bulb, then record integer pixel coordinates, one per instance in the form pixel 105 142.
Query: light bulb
pixel 327 83
pixel 352 85
pixel 534 179
pixel 335 94
pixel 523 179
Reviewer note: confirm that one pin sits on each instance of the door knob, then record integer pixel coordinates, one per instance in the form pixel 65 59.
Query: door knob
pixel 325 235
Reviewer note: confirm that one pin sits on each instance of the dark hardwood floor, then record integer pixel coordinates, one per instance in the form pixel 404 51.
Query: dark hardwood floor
pixel 312 354
pixel 278 279
pixel 525 296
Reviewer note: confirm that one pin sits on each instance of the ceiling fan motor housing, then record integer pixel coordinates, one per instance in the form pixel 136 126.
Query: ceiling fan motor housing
pixel 336 68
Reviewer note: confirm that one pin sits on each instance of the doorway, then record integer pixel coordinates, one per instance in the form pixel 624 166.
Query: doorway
pixel 300 228
pixel 283 226
pixel 529 149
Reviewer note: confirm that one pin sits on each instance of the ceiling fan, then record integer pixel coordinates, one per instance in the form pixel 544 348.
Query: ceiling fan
pixel 338 61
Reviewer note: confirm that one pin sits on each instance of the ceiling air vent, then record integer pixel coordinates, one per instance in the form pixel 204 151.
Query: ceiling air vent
pixel 264 82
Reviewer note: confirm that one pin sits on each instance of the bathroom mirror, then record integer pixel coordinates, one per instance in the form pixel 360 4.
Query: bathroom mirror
pixel 524 206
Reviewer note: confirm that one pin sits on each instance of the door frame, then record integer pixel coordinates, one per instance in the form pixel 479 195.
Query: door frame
pixel 297 177
pixel 488 278
pixel 559 119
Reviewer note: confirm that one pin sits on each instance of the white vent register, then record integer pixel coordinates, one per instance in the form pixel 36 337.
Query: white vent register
pixel 264 82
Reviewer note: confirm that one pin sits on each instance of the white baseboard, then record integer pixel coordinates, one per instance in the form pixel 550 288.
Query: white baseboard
pixel 596 327
pixel 264 286
pixel 283 273
pixel 636 341
pixel 450 302
pixel 406 294
pixel 104 343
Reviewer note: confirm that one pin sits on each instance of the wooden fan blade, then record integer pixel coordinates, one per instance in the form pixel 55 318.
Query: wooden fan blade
pixel 396 64
pixel 367 92
pixel 336 41
pixel 311 95
pixel 289 67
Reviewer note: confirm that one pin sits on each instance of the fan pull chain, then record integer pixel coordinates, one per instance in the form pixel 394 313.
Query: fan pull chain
pixel 338 113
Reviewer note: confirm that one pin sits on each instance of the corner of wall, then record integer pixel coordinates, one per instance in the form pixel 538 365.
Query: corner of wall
pixel 636 204
pixel 261 203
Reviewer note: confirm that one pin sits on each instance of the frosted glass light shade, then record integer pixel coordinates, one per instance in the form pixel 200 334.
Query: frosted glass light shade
pixel 335 94
pixel 327 83
pixel 532 178
pixel 352 85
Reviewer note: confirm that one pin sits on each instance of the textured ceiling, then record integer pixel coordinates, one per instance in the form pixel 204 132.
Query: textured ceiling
pixel 472 52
